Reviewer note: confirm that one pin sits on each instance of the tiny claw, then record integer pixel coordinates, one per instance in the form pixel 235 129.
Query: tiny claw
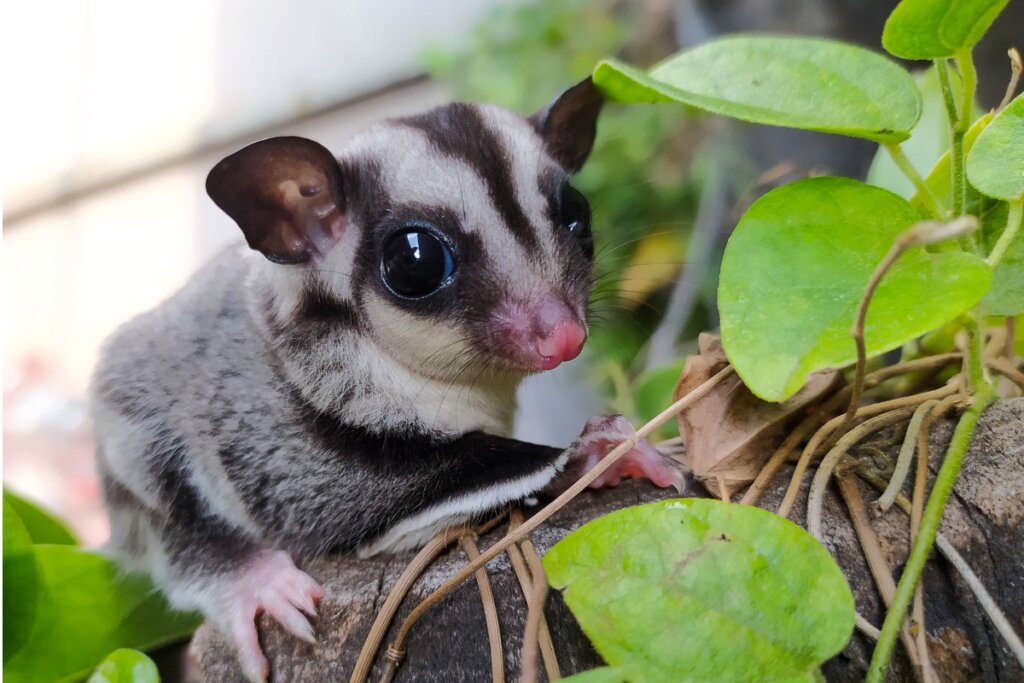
pixel 269 582
pixel 291 618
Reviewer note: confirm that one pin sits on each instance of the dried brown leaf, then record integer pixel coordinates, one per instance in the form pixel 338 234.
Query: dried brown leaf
pixel 730 433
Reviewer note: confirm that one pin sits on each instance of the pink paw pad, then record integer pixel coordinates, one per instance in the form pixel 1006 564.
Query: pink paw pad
pixel 269 582
pixel 602 434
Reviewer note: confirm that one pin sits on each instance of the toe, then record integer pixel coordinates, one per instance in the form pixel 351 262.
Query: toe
pixel 289 616
pixel 247 644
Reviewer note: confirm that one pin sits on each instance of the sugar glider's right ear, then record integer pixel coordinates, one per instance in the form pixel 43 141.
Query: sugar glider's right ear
pixel 569 124
pixel 285 194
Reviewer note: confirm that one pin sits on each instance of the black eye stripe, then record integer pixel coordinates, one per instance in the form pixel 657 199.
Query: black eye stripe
pixel 415 263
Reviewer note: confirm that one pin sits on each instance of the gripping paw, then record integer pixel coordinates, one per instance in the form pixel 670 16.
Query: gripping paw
pixel 269 582
pixel 602 434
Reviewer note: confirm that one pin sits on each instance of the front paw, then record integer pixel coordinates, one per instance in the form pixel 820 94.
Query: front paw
pixel 601 435
pixel 268 582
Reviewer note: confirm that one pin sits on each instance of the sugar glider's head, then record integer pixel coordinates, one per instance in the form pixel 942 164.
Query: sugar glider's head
pixel 451 239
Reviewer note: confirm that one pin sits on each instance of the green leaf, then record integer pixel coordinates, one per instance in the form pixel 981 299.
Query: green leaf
pixel 933 29
pixel 796 267
pixel 21 583
pixel 604 674
pixel 926 144
pixel 795 82
pixel 996 163
pixel 126 666
pixel 42 526
pixel 652 393
pixel 86 608
pixel 1007 294
pixel 701 590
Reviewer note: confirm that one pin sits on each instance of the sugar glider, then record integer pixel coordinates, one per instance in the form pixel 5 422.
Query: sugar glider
pixel 346 380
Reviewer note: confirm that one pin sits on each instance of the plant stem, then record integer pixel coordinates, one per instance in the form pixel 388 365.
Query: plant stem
pixel 969 76
pixel 976 377
pixel 957 126
pixel 947 91
pixel 924 192
pixel 1013 222
pixel 929 529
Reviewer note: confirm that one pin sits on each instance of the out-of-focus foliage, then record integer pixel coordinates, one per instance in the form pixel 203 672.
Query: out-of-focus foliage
pixel 521 57
pixel 126 666
pixel 42 527
pixel 930 29
pixel 66 609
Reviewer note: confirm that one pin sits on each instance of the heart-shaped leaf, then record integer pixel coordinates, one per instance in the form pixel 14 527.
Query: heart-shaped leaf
pixel 604 674
pixel 42 526
pixel 86 608
pixel 996 163
pixel 796 267
pixel 126 666
pixel 933 29
pixel 701 590
pixel 803 83
pixel 1006 297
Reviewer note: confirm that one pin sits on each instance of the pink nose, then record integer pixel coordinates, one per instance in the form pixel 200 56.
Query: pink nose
pixel 563 343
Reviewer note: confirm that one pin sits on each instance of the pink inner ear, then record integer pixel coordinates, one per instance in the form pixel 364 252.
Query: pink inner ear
pixel 326 225
pixel 336 225
pixel 312 207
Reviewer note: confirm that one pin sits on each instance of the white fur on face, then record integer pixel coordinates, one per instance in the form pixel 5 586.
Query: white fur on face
pixel 400 367
pixel 398 396
pixel 413 171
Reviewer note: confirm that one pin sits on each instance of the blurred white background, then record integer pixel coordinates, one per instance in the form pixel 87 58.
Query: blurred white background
pixel 115 111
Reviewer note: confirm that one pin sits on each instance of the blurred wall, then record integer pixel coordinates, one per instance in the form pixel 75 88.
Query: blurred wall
pixel 115 112
pixel 118 110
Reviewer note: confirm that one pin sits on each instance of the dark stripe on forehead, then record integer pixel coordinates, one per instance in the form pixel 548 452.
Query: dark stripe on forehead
pixel 459 130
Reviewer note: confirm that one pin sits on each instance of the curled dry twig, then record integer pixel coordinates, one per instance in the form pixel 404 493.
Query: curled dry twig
pixel 821 477
pixel 906 454
pixel 949 551
pixel 1015 70
pixel 813 421
pixel 380 625
pixel 535 611
pixel 865 411
pixel 396 651
pixel 468 543
pixel 920 234
pixel 519 565
pixel 876 562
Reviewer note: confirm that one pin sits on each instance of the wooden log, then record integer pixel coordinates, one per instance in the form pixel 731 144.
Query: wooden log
pixel 450 643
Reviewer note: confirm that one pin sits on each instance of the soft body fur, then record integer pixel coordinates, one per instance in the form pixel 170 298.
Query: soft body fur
pixel 294 403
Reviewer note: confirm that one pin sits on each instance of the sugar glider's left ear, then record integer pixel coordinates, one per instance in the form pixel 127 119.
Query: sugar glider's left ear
pixel 285 194
pixel 569 124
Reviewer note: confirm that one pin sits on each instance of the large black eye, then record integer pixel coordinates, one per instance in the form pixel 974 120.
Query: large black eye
pixel 575 213
pixel 415 263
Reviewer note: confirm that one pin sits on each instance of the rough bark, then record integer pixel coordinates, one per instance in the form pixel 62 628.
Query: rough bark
pixel 983 521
